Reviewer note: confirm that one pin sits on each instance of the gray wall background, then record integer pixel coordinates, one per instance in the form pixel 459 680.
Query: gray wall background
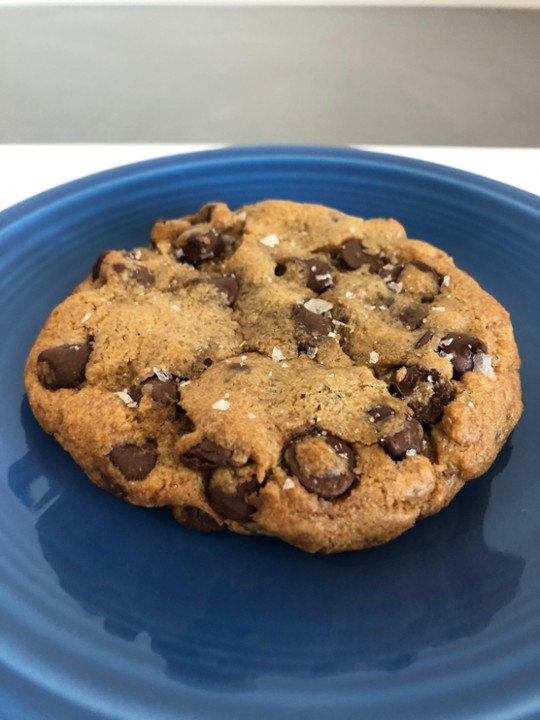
pixel 260 74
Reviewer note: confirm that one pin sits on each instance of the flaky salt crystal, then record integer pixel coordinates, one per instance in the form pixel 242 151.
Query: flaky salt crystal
pixel 482 364
pixel 221 405
pixel 162 374
pixel 277 355
pixel 270 240
pixel 318 306
pixel 86 317
pixel 373 357
pixel 288 484
pixel 126 398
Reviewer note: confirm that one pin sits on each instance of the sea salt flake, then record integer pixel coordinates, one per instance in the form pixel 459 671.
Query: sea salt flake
pixel 332 334
pixel 446 280
pixel 373 357
pixel 318 306
pixel 311 352
pixel 175 307
pixel 86 317
pixel 397 287
pixel 180 253
pixel 137 254
pixel 410 452
pixel 471 404
pixel 242 215
pixel 288 484
pixel 162 374
pixel 438 308
pixel 251 416
pixel 277 355
pixel 447 342
pixel 349 295
pixel 126 398
pixel 270 240
pixel 482 364
pixel 221 405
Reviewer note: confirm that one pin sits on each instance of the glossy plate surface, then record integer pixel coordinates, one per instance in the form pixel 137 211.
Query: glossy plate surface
pixel 113 612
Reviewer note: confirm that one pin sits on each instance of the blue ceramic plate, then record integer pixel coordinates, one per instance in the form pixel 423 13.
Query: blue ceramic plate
pixel 110 611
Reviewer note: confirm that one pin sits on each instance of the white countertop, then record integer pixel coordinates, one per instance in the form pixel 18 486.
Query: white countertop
pixel 26 170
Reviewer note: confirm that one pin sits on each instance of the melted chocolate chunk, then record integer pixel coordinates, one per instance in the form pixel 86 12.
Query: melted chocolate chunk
pixel 63 366
pixel 228 285
pixel 405 386
pixel 396 271
pixel 331 482
pixel 202 246
pixel 142 276
pixel 165 392
pixel 133 461
pixel 197 519
pixel 319 275
pixel 426 392
pixel 423 340
pixel 207 455
pixel 311 322
pixel 413 316
pixel 381 412
pixel 233 506
pixel 239 367
pixel 353 256
pixel 462 349
pixel 406 441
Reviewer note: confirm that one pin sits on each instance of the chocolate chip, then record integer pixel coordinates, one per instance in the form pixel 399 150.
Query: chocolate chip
pixel 197 519
pixel 426 392
pixel 280 269
pixel 311 322
pixel 63 366
pixel 426 337
pixel 318 275
pixel 381 412
pixel 413 316
pixel 133 461
pixel 353 255
pixel 165 392
pixel 97 265
pixel 419 265
pixel 207 455
pixel 142 276
pixel 462 349
pixel 329 474
pixel 202 246
pixel 233 506
pixel 228 285
pixel 409 379
pixel 119 267
pixel 406 441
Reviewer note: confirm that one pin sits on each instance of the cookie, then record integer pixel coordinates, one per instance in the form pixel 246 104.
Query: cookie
pixel 284 370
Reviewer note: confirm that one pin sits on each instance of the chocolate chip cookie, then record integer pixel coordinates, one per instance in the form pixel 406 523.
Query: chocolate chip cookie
pixel 283 369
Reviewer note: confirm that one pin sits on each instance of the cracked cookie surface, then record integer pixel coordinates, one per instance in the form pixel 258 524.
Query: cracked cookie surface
pixel 283 369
